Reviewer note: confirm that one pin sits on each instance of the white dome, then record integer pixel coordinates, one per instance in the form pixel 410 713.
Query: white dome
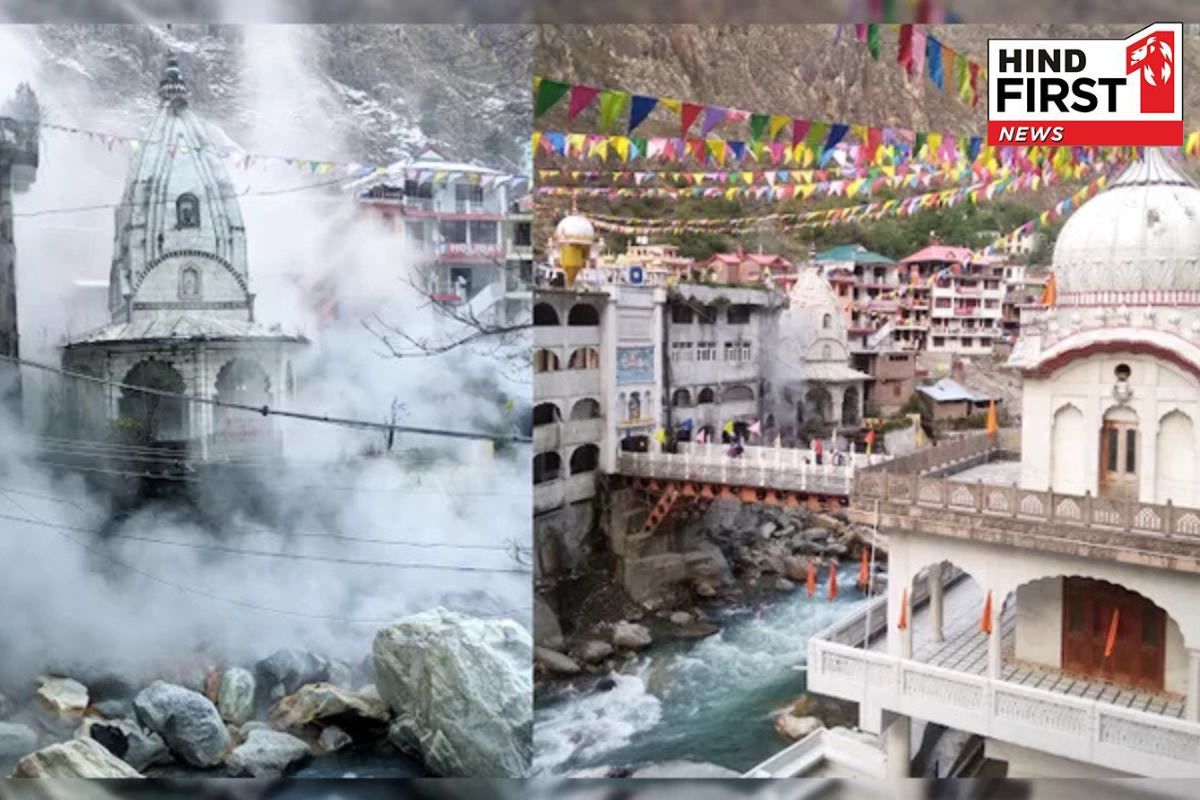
pixel 1142 233
pixel 811 321
pixel 575 228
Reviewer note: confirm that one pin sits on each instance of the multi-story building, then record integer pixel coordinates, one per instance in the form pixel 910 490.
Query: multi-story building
pixel 456 218
pixel 742 267
pixel 1046 602
pixel 18 163
pixel 621 353
pixel 956 300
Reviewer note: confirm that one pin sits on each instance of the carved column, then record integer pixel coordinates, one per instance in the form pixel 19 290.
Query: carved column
pixel 934 577
pixel 1192 711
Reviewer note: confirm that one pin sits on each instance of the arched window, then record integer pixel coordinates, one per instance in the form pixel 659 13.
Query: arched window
pixel 189 283
pixel 587 408
pixel 584 358
pixel 707 396
pixel 546 467
pixel 545 414
pixel 681 399
pixel 826 352
pixel 585 459
pixel 545 361
pixel 736 394
pixel 187 211
pixel 153 417
pixel 583 314
pixel 827 321
pixel 544 314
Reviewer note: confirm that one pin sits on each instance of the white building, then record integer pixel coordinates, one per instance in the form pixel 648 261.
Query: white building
pixel 181 310
pixel 1054 614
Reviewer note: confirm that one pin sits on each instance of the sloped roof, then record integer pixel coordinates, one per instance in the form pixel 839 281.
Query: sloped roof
pixel 937 252
pixel 950 391
pixel 853 252
pixel 182 328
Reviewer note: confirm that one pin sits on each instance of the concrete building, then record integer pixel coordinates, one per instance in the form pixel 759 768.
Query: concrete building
pixel 181 310
pixel 964 296
pixel 1042 584
pixel 461 221
pixel 741 268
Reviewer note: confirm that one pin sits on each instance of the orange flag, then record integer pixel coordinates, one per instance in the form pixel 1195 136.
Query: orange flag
pixel 902 624
pixel 1111 642
pixel 993 424
pixel 985 624
pixel 811 578
pixel 1050 293
pixel 864 578
pixel 832 580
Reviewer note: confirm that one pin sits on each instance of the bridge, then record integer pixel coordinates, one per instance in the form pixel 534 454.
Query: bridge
pixel 697 474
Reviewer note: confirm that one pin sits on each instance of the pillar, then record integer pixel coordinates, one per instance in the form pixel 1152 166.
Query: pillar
pixel 897 747
pixel 994 639
pixel 1192 710
pixel 934 577
pixel 837 397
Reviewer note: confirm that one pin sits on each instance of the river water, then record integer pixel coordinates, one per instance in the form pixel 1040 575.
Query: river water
pixel 708 701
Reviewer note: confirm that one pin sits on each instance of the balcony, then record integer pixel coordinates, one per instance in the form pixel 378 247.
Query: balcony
pixel 951 682
pixel 559 492
pixel 566 383
pixel 582 431
pixel 566 336
pixel 471 252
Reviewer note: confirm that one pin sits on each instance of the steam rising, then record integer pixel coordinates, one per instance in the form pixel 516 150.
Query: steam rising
pixel 76 600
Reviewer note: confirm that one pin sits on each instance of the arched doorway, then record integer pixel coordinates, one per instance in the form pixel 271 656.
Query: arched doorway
pixel 850 406
pixel 819 402
pixel 546 414
pixel 547 467
pixel 243 382
pixel 1113 633
pixel 153 417
pixel 585 459
pixel 1067 473
pixel 1175 467
pixel 1119 457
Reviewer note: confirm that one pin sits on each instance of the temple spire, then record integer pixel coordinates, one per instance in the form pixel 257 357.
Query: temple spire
pixel 172 89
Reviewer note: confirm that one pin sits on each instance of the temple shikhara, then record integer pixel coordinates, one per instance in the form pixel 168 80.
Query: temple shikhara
pixel 181 308
pixel 1043 584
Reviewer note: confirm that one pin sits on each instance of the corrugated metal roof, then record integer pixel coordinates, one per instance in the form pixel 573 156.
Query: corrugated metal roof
pixel 853 252
pixel 950 391
pixel 184 327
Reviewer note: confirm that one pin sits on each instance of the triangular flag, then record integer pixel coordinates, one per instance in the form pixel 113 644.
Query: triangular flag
pixel 612 103
pixel 581 97
pixel 985 624
pixel 902 623
pixel 873 41
pixel 758 123
pixel 713 116
pixel 777 123
pixel 548 93
pixel 687 115
pixel 639 109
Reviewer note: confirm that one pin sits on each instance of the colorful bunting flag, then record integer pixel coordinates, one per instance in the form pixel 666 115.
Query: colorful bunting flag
pixel 639 109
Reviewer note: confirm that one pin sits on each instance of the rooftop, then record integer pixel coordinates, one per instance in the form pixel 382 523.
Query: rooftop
pixel 950 391
pixel 853 252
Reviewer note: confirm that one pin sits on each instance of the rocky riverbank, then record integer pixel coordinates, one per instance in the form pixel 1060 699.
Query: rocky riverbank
pixel 737 554
pixel 448 690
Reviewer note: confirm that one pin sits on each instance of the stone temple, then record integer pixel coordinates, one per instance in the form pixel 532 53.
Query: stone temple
pixel 182 317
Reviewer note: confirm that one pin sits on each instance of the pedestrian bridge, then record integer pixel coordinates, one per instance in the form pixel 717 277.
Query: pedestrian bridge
pixel 769 475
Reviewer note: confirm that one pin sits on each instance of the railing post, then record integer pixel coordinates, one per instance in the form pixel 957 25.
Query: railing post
pixel 979 496
pixel 1087 507
pixel 1050 503
pixel 1169 519
pixel 914 488
pixel 1014 496
pixel 1127 514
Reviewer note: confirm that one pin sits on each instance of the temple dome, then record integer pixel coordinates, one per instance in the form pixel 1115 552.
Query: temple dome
pixel 575 229
pixel 1142 233
pixel 811 328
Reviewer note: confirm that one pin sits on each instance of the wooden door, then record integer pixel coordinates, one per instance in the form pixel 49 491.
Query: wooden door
pixel 1139 649
pixel 1119 460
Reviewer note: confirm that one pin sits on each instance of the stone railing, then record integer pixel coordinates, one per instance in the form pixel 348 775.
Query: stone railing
pixel 975 447
pixel 870 620
pixel 1091 731
pixel 988 500
pixel 761 472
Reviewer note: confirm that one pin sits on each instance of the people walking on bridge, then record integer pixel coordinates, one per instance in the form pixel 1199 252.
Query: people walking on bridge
pixel 818 451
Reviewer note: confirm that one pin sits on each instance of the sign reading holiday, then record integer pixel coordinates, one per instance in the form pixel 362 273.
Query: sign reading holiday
pixel 1088 92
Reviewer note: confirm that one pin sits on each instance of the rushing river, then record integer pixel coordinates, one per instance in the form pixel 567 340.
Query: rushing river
pixel 710 701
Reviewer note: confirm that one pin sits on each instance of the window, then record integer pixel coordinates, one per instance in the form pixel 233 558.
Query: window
pixel 454 231
pixel 681 398
pixel 187 211
pixel 545 361
pixel 417 189
pixel 1130 451
pixel 484 232
pixel 583 314
pixel 1122 372
pixel 745 348
pixel 738 315
pixel 827 321
pixel 706 397
pixel 706 351
pixel 634 408
pixel 1112 449
pixel 189 283
pixel 826 353
pixel 681 315
pixel 584 358
pixel 523 234
pixel 468 193
pixel 681 352
pixel 544 314
pixel 737 352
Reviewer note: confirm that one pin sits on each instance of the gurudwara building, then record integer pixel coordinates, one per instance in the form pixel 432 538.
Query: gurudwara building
pixel 1043 585
pixel 181 308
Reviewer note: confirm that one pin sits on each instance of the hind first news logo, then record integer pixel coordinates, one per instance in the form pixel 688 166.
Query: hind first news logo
pixel 1088 92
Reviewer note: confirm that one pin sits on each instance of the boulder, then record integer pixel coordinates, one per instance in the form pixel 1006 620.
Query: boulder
pixel 795 728
pixel 16 740
pixel 333 739
pixel 705 589
pixel 235 697
pixel 114 709
pixel 187 720
pixel 78 758
pixel 290 669
pixel 546 630
pixel 267 754
pixel 707 562
pixel 784 585
pixel 630 636
pixel 127 741
pixel 795 569
pixel 816 534
pixel 767 529
pixel 461 688
pixel 320 704
pixel 595 651
pixel 555 662
pixel 62 699
pixel 681 618
pixel 341 674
